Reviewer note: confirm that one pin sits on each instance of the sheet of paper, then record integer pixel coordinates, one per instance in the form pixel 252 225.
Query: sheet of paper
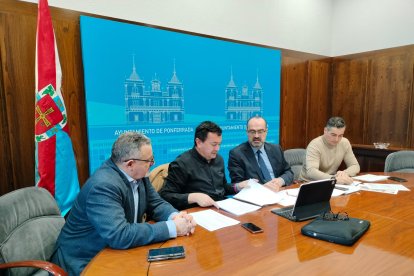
pixel 354 183
pixel 212 220
pixel 346 189
pixel 288 201
pixel 400 187
pixel 383 188
pixel 379 188
pixel 259 195
pixel 337 192
pixel 370 177
pixel 292 192
pixel 236 207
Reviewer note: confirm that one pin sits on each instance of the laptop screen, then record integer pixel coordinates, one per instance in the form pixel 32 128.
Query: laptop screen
pixel 313 198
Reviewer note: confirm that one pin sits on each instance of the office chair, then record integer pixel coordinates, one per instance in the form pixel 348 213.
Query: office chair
pixel 30 222
pixel 400 161
pixel 158 175
pixel 296 159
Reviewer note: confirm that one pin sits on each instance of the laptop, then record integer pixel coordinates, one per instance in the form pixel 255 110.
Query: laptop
pixel 313 200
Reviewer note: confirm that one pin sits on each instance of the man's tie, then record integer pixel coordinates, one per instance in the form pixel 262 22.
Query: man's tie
pixel 135 193
pixel 263 168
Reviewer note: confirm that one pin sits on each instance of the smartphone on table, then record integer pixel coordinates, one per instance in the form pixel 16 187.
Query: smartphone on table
pixel 166 253
pixel 398 179
pixel 251 227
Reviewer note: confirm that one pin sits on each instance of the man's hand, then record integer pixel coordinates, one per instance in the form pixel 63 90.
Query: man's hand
pixel 343 178
pixel 275 184
pixel 184 223
pixel 245 184
pixel 202 200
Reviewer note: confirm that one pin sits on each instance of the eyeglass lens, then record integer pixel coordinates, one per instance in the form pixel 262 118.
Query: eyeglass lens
pixel 260 131
pixel 335 216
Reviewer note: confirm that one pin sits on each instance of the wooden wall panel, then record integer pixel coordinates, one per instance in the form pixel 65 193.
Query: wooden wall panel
pixel 18 84
pixel 389 98
pixel 410 131
pixel 319 97
pixel 6 169
pixel 348 100
pixel 293 108
pixel 17 46
pixel 372 91
pixel 68 36
pixel 380 85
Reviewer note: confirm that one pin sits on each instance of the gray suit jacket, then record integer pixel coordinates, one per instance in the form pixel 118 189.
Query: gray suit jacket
pixel 243 164
pixel 103 216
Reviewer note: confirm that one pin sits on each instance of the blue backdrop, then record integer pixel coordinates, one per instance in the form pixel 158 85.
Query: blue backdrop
pixel 164 83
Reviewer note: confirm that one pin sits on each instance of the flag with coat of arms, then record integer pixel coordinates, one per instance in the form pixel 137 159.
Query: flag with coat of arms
pixel 55 160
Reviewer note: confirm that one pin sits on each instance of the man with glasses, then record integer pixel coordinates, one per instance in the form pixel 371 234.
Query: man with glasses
pixel 113 205
pixel 196 177
pixel 257 159
pixel 326 153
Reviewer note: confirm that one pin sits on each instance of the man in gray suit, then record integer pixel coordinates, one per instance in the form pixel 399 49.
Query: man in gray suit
pixel 258 159
pixel 113 205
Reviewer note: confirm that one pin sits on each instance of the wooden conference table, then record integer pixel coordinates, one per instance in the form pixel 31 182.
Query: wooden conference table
pixel 386 249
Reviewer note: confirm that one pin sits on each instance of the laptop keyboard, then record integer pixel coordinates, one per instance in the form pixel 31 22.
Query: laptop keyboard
pixel 285 212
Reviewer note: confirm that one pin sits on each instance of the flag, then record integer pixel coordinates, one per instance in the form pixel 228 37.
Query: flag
pixel 55 168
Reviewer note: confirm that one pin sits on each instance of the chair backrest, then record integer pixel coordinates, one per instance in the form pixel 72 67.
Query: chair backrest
pixel 158 175
pixel 296 159
pixel 30 222
pixel 400 161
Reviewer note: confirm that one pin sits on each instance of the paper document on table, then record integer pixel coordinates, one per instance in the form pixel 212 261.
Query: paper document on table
pixel 383 188
pixel 344 189
pixel 212 220
pixel 337 192
pixel 370 177
pixel 289 197
pixel 400 187
pixel 292 192
pixel 236 207
pixel 354 183
pixel 258 194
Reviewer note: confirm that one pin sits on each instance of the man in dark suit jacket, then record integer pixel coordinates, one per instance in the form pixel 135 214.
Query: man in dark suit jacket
pixel 111 208
pixel 244 161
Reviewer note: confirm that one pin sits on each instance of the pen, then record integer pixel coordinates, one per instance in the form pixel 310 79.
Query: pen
pixel 341 188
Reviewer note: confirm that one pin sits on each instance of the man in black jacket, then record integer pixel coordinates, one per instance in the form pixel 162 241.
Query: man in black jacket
pixel 197 177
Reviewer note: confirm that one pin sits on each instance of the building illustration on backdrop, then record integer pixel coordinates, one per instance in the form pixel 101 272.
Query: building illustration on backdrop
pixel 163 83
pixel 241 104
pixel 155 104
pixel 152 108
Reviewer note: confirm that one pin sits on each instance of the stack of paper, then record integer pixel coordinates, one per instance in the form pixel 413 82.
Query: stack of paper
pixel 383 188
pixel 211 220
pixel 344 189
pixel 259 195
pixel 236 207
pixel 370 177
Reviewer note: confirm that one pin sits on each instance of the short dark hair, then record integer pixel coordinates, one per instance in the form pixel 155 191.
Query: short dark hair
pixel 337 122
pixel 204 128
pixel 128 145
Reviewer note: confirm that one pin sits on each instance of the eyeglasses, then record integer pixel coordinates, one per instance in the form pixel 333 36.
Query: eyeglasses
pixel 253 132
pixel 151 161
pixel 335 216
